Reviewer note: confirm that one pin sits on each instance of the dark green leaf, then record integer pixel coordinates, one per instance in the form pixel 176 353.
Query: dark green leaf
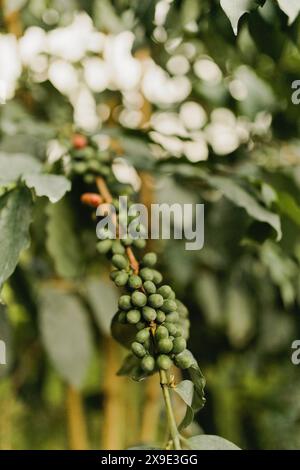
pixel 123 333
pixel 15 218
pixel 131 368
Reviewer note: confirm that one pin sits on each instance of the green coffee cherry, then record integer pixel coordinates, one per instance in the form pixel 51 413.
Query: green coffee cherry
pixel 127 241
pixel 125 302
pixel 122 317
pixel 179 330
pixel 169 306
pixel 133 316
pixel 148 363
pixel 161 333
pixel 172 328
pixel 179 345
pixel 139 243
pixel 149 260
pixel 164 362
pixel 172 317
pixel 165 345
pixel 146 274
pixel 138 349
pixel 140 325
pixel 119 261
pixel 184 360
pixel 117 248
pixel 104 246
pixel 121 279
pixel 157 277
pixel 155 300
pixel 165 291
pixel 172 295
pixel 143 335
pixel 138 299
pixel 80 167
pixel 134 281
pixel 182 310
pixel 114 274
pixel 160 316
pixel 149 314
pixel 149 287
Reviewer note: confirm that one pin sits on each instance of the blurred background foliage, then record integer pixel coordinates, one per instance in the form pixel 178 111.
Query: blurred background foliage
pixel 195 114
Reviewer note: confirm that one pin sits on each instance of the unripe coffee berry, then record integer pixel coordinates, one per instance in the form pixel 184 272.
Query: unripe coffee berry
pixel 149 314
pixel 121 279
pixel 172 328
pixel 117 248
pixel 140 325
pixel 133 316
pixel 122 317
pixel 148 363
pixel 114 274
pixel 143 335
pixel 156 276
pixel 125 302
pixel 160 316
pixel 134 281
pixel 184 360
pixel 165 291
pixel 127 241
pixel 139 243
pixel 179 345
pixel 172 317
pixel 169 305
pixel 161 332
pixel 138 299
pixel 164 362
pixel 119 261
pixel 155 300
pixel 146 274
pixel 138 349
pixel 149 287
pixel 165 345
pixel 104 246
pixel 149 260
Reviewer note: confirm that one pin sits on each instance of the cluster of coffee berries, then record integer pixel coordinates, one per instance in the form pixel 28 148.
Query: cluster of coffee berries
pixel 159 318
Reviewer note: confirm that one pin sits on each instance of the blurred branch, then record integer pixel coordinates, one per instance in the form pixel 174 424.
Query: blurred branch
pixel 78 439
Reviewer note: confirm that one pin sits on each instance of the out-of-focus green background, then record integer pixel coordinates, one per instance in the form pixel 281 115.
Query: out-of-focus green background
pixel 185 99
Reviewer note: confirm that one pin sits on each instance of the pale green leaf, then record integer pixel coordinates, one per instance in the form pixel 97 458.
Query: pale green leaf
pixel 103 299
pixel 62 242
pixel 291 8
pixel 54 187
pixel 210 442
pixel 66 335
pixel 235 9
pixel 13 166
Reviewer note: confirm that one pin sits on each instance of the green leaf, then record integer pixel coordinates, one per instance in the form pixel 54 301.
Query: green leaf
pixel 15 218
pixel 241 198
pixel 123 333
pixel 291 8
pixel 192 393
pixel 210 442
pixel 66 334
pixel 103 300
pixel 6 338
pixel 131 368
pixel 52 186
pixel 62 241
pixel 235 9
pixel 288 205
pixel 144 447
pixel 13 166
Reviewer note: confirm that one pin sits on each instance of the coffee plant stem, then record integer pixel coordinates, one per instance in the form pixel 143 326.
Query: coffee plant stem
pixel 169 410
